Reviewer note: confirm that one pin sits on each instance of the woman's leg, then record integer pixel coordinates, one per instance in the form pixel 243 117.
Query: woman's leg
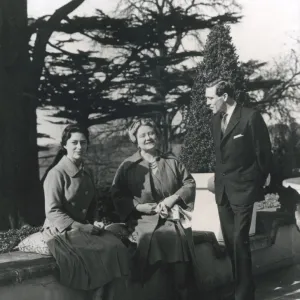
pixel 97 294
pixel 117 289
pixel 180 273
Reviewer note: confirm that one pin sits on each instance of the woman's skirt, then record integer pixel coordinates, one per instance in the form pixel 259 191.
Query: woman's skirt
pixel 168 244
pixel 87 261
pixel 157 242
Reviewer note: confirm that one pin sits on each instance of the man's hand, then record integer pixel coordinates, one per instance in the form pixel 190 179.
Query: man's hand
pixel 268 180
pixel 147 208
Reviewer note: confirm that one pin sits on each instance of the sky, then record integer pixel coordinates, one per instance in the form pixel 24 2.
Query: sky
pixel 266 32
pixel 268 29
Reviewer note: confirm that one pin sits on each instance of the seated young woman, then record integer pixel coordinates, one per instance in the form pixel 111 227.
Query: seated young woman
pixel 89 258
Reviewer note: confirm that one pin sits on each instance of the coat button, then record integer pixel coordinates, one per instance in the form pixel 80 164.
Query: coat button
pixel 223 174
pixel 86 192
pixel 84 211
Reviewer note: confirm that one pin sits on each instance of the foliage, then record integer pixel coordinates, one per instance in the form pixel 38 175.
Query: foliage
pixel 282 97
pixel 286 152
pixel 219 61
pixel 11 238
pixel 137 63
pixel 286 162
pixel 270 201
pixel 21 199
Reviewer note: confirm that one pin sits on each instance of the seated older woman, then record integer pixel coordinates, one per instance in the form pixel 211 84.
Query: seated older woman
pixel 156 192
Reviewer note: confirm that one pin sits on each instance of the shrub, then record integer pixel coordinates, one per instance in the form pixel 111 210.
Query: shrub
pixel 220 61
pixel 270 201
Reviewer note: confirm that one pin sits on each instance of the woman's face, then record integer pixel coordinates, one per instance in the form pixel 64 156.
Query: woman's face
pixel 146 138
pixel 76 146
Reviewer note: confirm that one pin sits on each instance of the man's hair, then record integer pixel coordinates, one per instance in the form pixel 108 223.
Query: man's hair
pixel 222 87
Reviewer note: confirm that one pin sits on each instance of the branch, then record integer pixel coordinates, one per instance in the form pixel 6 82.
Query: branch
pixel 114 74
pixel 42 38
pixel 262 84
pixel 177 42
pixel 138 109
pixel 278 92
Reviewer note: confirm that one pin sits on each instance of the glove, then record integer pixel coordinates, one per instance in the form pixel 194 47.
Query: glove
pixel 162 210
pixel 99 225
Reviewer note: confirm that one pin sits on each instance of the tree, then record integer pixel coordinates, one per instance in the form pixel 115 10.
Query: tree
pixel 148 69
pixel 21 195
pixel 283 97
pixel 219 61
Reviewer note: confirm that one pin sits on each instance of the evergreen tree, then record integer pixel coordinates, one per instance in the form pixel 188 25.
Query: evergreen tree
pixel 220 61
pixel 144 70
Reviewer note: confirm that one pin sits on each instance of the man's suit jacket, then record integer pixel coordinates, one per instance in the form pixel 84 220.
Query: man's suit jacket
pixel 243 156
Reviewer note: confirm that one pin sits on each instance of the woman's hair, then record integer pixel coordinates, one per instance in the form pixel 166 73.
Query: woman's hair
pixel 135 125
pixel 73 128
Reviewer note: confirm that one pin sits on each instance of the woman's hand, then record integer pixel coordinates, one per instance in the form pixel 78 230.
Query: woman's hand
pixel 87 228
pixel 100 225
pixel 147 208
pixel 162 210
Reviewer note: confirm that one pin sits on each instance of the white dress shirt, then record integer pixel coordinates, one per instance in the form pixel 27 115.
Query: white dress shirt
pixel 229 112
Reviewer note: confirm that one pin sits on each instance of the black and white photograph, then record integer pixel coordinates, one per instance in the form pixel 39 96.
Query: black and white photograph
pixel 149 150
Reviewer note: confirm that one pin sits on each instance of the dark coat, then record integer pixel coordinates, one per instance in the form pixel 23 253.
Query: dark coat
pixel 132 185
pixel 243 156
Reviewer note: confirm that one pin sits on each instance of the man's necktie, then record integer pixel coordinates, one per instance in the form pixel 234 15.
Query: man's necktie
pixel 223 123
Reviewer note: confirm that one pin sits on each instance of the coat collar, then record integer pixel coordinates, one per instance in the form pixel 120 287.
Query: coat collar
pixel 68 166
pixel 136 157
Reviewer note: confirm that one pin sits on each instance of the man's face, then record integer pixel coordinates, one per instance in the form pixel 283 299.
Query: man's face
pixel 214 102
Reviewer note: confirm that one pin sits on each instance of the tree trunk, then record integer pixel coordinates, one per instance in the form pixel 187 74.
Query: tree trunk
pixel 21 198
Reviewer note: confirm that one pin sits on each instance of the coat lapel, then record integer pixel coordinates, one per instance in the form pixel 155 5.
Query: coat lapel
pixel 234 120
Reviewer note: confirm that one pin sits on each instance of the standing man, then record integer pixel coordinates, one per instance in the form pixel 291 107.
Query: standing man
pixel 243 158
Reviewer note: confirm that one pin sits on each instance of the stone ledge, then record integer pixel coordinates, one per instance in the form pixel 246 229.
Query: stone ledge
pixel 16 267
pixel 268 223
pixel 19 266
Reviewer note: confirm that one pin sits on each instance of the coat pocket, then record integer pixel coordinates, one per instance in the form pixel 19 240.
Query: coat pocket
pixel 254 176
